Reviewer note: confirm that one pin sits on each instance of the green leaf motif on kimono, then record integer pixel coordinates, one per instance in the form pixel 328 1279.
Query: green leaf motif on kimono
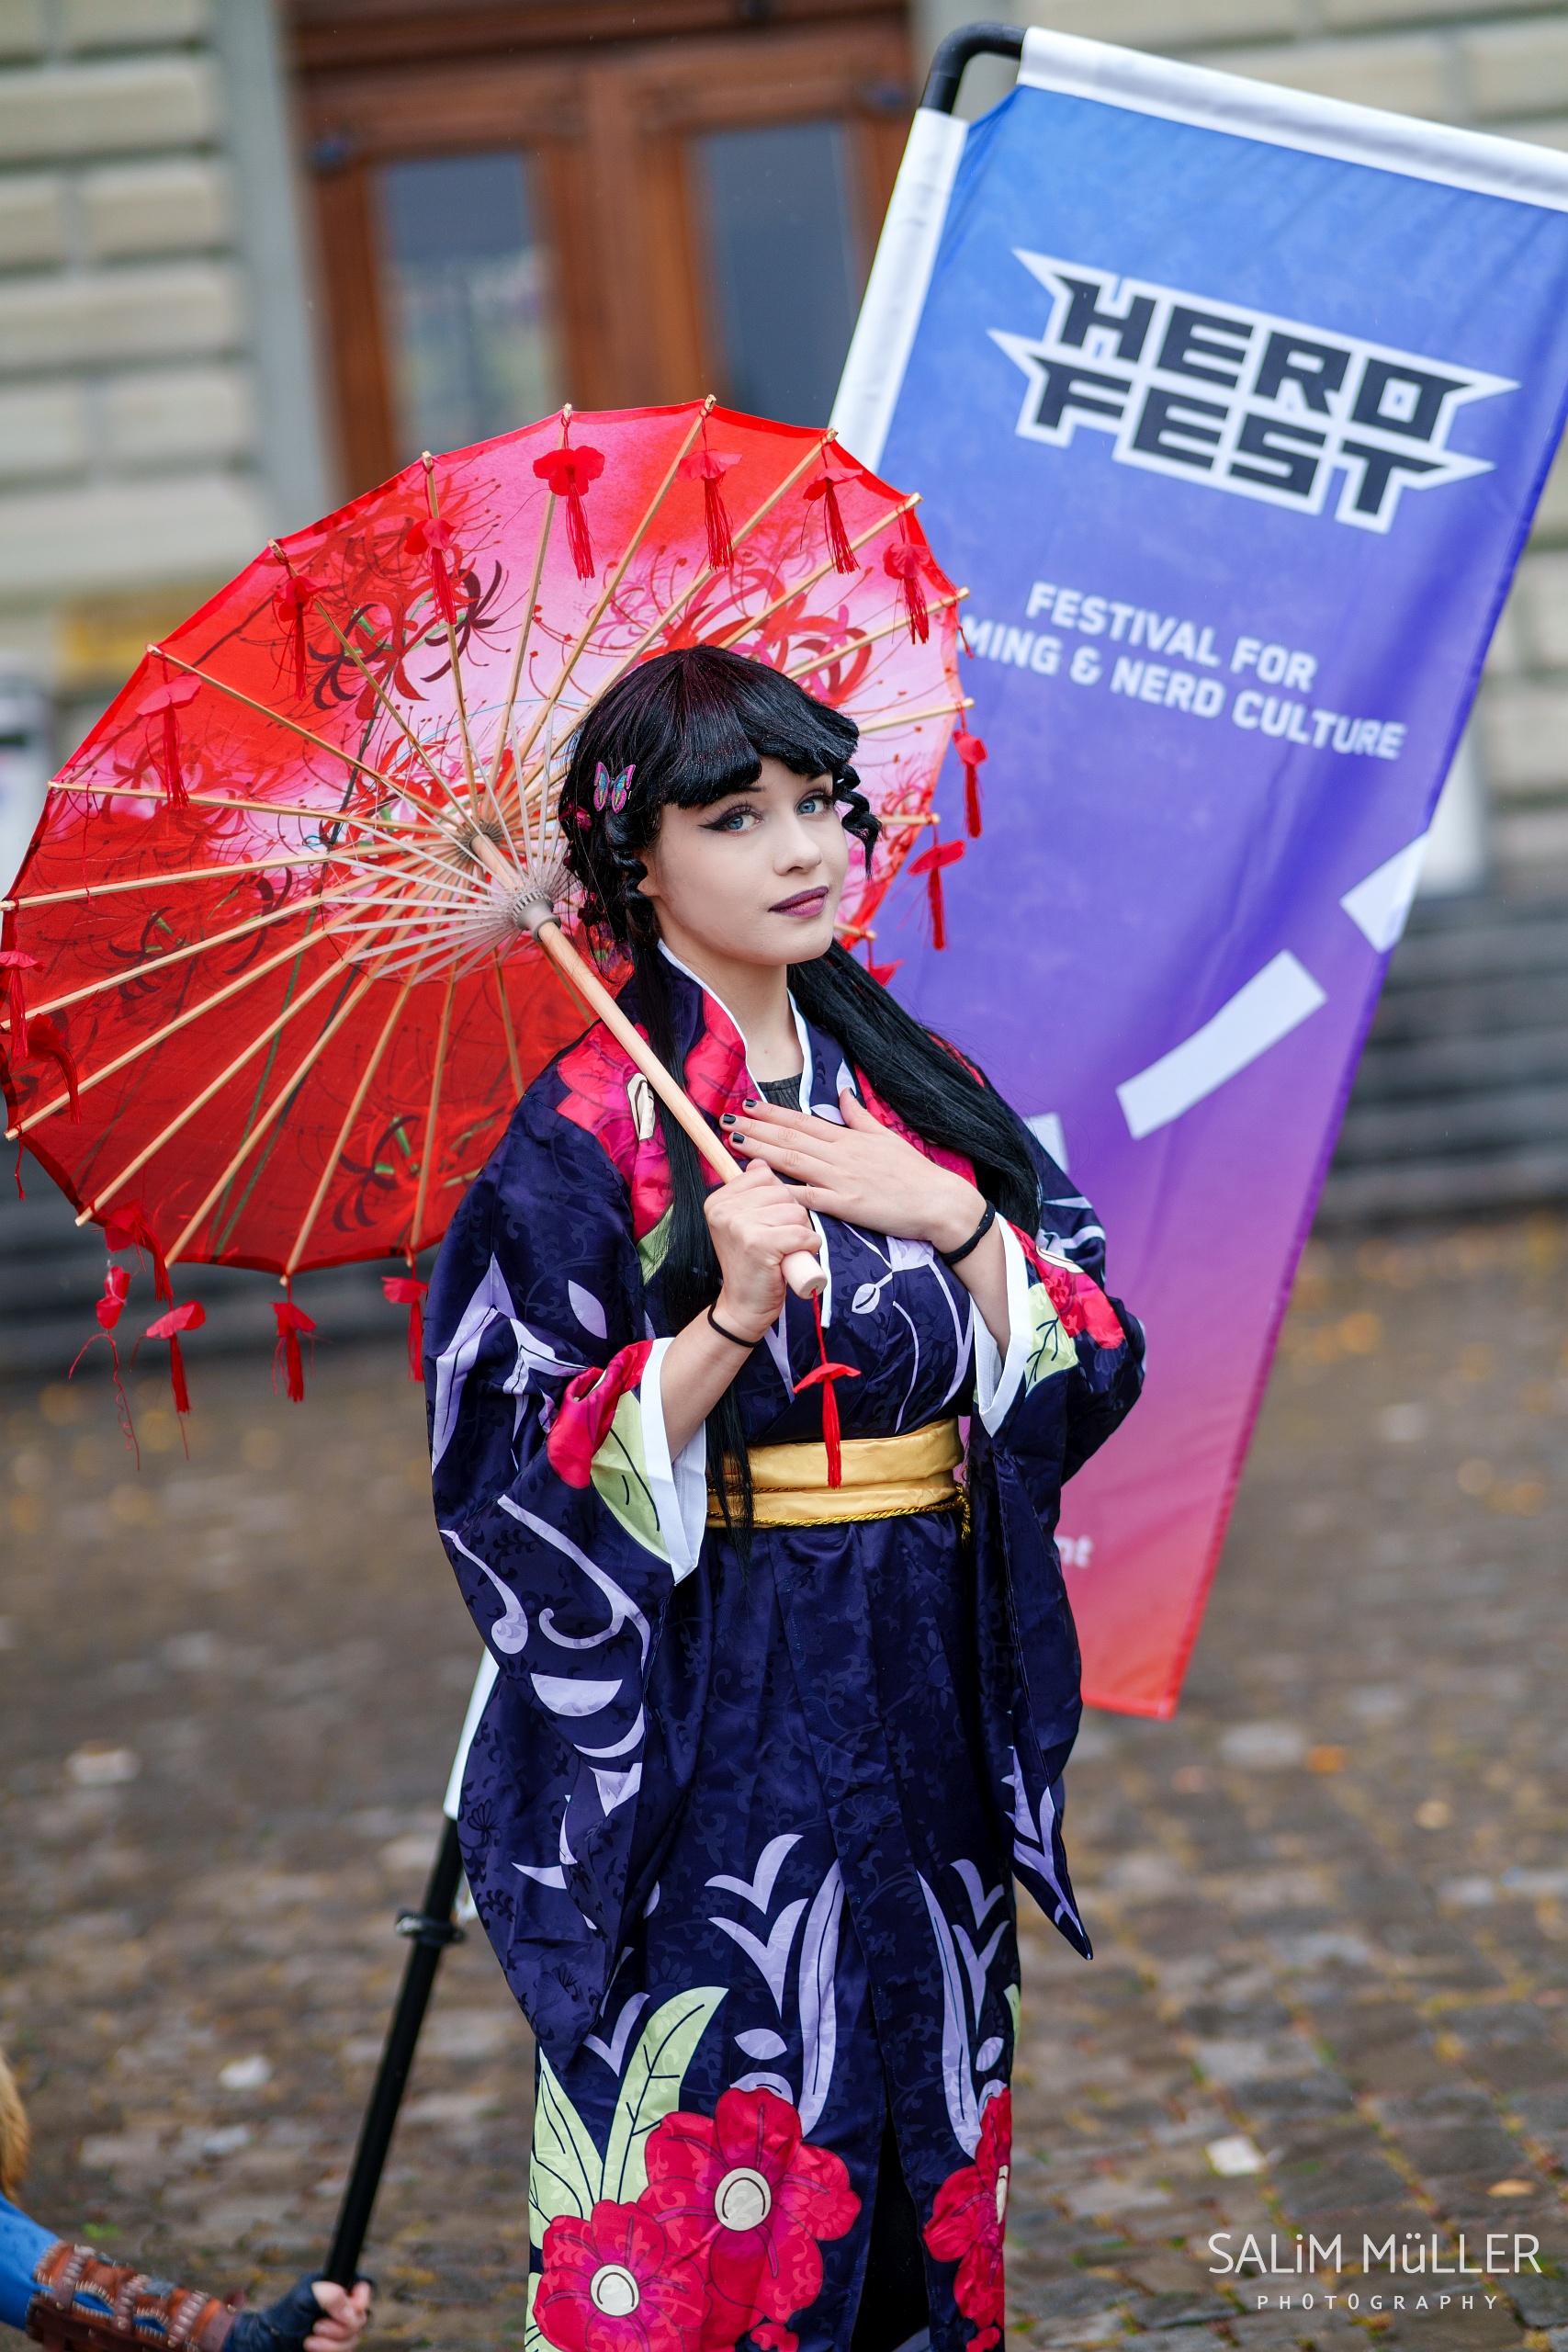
pixel 565 2174
pixel 1049 1350
pixel 651 2089
pixel 620 1477
pixel 534 2337
pixel 1014 1995
pixel 654 1246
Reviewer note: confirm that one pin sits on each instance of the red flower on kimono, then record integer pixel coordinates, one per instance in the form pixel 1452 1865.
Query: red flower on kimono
pixel 586 1410
pixel 1080 1304
pixel 614 2283
pixel 968 2220
pixel 596 1075
pixel 744 2189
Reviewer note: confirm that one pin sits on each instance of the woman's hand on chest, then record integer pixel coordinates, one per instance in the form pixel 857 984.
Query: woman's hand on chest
pixel 862 1174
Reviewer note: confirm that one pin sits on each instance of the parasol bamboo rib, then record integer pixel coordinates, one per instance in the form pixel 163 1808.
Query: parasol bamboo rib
pixel 284 1098
pixel 880 724
pixel 515 680
pixel 852 646
pixel 329 1170
pixel 246 808
pixel 306 734
pixel 610 585
pixel 187 873
pixel 174 955
pixel 181 1021
pixel 800 587
pixel 219 939
pixel 513 1063
pixel 434 502
pixel 215 1086
pixel 429 1152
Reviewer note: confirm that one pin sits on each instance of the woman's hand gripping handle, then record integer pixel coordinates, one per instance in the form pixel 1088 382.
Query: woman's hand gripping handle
pixel 760 1229
pixel 801 1269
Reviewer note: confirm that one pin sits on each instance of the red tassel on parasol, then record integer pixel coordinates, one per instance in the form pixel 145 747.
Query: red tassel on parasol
pixel 272 901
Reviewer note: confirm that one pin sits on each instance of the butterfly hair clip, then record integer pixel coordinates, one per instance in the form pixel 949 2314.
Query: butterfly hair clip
pixel 611 791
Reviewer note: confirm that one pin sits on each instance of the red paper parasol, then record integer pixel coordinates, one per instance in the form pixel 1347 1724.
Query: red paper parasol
pixel 264 1007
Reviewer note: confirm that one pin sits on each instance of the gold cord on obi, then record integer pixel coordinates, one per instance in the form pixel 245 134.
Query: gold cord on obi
pixel 884 1477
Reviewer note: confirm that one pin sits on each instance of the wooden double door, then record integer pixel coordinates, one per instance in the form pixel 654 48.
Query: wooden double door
pixel 529 203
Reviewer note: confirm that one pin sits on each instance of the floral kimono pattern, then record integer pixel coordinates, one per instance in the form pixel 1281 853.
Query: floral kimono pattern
pixel 745 1839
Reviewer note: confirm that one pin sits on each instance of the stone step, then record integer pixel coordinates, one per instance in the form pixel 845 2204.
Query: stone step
pixel 1460 1008
pixel 1458 1061
pixel 1511 939
pixel 1460 1122
pixel 1443 1187
pixel 52 1272
pixel 1461 1102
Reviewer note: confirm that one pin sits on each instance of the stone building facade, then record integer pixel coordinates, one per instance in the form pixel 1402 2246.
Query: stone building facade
pixel 158 408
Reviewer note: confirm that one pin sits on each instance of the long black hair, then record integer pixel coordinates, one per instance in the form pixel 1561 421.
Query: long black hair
pixel 693 726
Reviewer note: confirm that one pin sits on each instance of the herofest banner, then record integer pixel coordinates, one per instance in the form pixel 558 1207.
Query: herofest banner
pixel 1231 406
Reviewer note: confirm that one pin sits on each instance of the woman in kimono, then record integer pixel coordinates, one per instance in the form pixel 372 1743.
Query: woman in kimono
pixel 783 1707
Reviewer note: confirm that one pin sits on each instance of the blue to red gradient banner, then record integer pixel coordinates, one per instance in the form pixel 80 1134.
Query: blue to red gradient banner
pixel 1231 406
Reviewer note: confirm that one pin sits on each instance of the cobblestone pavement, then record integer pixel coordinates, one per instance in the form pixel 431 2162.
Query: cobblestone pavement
pixel 1331 1898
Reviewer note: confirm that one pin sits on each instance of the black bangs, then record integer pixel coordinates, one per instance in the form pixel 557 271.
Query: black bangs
pixel 690 726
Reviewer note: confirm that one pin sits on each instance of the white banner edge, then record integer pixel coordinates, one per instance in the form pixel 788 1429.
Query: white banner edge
pixel 1474 160
pixel 897 289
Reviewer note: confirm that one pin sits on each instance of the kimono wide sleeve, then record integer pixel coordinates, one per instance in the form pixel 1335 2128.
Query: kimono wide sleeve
pixel 569 1526
pixel 1069 1373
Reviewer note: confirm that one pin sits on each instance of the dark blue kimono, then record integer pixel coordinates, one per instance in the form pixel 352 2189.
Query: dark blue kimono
pixel 745 1839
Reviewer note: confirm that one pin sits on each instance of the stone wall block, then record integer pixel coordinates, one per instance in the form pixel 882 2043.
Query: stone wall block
pixel 175 207
pixel 1528 839
pixel 165 414
pixel 1354 16
pixel 107 315
pixel 43 430
pixel 1551 513
pixel 1406 73
pixel 126 24
pixel 1523 729
pixel 32 220
pixel 130 535
pixel 1541 593
pixel 109 109
pixel 1551 133
pixel 1505 656
pixel 21 28
pixel 1161 26
pixel 1518 69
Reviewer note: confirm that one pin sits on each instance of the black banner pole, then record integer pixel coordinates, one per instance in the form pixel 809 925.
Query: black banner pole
pixel 430 1930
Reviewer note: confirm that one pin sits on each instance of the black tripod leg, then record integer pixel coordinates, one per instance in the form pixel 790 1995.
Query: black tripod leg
pixel 430 1931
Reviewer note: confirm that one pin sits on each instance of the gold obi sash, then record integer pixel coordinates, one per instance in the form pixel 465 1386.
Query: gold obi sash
pixel 885 1477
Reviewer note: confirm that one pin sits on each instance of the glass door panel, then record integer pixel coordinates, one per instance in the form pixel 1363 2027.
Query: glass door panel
pixel 472 349
pixel 783 275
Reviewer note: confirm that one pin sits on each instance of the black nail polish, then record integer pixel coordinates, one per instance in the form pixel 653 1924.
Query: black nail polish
pixel 737 1139
pixel 751 1103
pixel 728 1120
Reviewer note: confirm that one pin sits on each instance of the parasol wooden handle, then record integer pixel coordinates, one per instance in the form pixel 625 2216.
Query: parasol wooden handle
pixel 804 1274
